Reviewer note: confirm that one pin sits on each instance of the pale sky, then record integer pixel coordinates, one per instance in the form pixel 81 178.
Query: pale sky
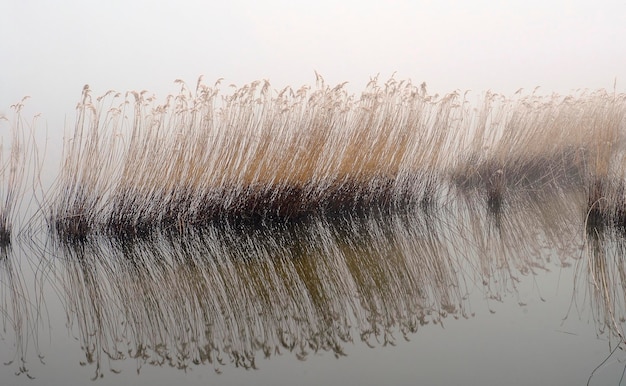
pixel 50 49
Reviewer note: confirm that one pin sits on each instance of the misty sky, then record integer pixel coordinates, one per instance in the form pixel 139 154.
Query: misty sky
pixel 50 49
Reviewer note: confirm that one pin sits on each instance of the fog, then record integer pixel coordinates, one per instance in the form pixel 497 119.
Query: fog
pixel 50 50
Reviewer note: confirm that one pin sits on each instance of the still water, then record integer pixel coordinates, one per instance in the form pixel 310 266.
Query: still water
pixel 453 292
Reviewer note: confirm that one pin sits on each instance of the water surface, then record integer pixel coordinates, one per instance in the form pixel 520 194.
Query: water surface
pixel 450 293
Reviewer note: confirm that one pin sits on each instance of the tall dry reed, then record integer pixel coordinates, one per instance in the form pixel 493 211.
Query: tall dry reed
pixel 132 165
pixel 16 149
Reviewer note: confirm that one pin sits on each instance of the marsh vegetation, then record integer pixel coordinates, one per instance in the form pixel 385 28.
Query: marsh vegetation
pixel 218 228
pixel 133 166
pixel 13 166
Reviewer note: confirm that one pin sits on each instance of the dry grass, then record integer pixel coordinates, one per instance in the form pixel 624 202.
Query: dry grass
pixel 15 164
pixel 534 142
pixel 607 177
pixel 133 166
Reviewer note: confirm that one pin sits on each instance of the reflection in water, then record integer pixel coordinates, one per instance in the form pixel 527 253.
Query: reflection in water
pixel 19 318
pixel 603 274
pixel 228 293
pixel 233 292
pixel 601 282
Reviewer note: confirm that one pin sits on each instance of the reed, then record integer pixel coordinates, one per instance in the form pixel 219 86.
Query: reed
pixel 13 168
pixel 606 198
pixel 534 142
pixel 133 166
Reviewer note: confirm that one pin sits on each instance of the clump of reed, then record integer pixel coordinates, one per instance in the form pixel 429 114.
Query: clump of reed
pixel 606 204
pixel 133 166
pixel 13 168
pixel 533 142
pixel 257 155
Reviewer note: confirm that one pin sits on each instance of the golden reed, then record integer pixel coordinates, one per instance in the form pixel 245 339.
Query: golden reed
pixel 134 165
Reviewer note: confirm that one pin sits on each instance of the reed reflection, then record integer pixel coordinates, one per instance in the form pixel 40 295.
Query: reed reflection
pixel 235 292
pixel 20 315
pixel 602 275
pixel 600 285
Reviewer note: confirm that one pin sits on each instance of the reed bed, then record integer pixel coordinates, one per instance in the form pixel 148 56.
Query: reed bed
pixel 133 166
pixel 536 142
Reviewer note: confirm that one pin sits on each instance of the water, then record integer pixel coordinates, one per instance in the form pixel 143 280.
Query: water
pixel 450 294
